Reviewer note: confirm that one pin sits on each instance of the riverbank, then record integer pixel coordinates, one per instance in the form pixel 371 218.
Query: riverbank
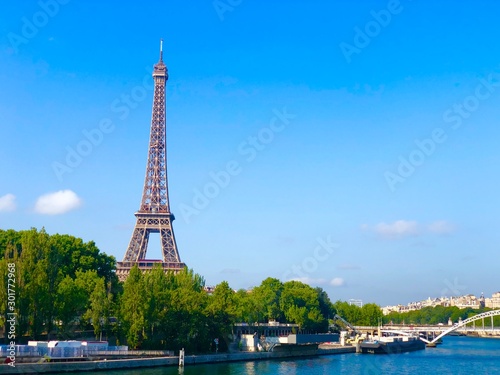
pixel 279 352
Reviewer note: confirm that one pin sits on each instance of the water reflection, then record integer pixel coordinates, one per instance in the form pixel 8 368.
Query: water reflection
pixel 456 356
pixel 250 368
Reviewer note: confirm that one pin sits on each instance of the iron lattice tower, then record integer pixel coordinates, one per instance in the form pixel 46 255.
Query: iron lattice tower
pixel 154 215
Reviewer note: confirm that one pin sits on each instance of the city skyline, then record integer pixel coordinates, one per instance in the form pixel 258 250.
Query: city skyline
pixel 350 146
pixel 461 302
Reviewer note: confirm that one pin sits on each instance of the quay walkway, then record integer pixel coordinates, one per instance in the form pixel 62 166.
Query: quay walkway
pixel 106 365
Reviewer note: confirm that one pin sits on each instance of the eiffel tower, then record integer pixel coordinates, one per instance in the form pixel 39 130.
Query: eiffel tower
pixel 154 215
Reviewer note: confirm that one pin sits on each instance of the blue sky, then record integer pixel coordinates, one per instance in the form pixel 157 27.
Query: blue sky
pixel 356 143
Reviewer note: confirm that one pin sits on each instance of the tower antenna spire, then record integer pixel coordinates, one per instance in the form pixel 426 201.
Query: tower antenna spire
pixel 161 49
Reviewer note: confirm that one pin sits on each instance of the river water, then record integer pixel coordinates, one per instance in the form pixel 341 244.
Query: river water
pixel 457 355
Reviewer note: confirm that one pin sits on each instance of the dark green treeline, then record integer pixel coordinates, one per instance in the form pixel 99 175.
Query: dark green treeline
pixel 173 310
pixel 60 281
pixel 65 286
pixel 67 289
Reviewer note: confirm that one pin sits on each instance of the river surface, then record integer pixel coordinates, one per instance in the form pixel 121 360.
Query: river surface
pixel 457 355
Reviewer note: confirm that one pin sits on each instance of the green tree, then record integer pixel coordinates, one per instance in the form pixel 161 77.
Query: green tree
pixel 300 304
pixel 10 244
pixel 371 315
pixel 38 283
pixel 99 307
pixel 267 300
pixel 70 303
pixel 325 304
pixel 221 312
pixel 351 313
pixel 157 296
pixel 133 308
pixel 222 306
pixel 42 262
pixel 187 323
pixel 246 310
pixel 76 255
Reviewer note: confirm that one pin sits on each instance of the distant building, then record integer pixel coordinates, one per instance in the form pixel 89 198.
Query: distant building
pixel 209 289
pixel 461 302
pixel 468 300
pixel 493 302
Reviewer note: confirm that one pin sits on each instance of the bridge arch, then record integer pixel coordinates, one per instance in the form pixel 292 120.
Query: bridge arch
pixel 467 321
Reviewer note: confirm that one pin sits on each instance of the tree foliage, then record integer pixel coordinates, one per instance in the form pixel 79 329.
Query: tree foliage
pixel 368 315
pixel 65 285
pixel 167 311
pixel 300 304
pixel 267 300
pixel 55 277
pixel 133 308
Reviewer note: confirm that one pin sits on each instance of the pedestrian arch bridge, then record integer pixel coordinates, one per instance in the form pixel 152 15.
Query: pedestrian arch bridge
pixel 444 330
pixel 487 314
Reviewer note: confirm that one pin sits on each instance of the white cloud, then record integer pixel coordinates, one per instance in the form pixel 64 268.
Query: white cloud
pixel 406 228
pixel 57 203
pixel 337 281
pixel 7 203
pixel 441 227
pixel 400 228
